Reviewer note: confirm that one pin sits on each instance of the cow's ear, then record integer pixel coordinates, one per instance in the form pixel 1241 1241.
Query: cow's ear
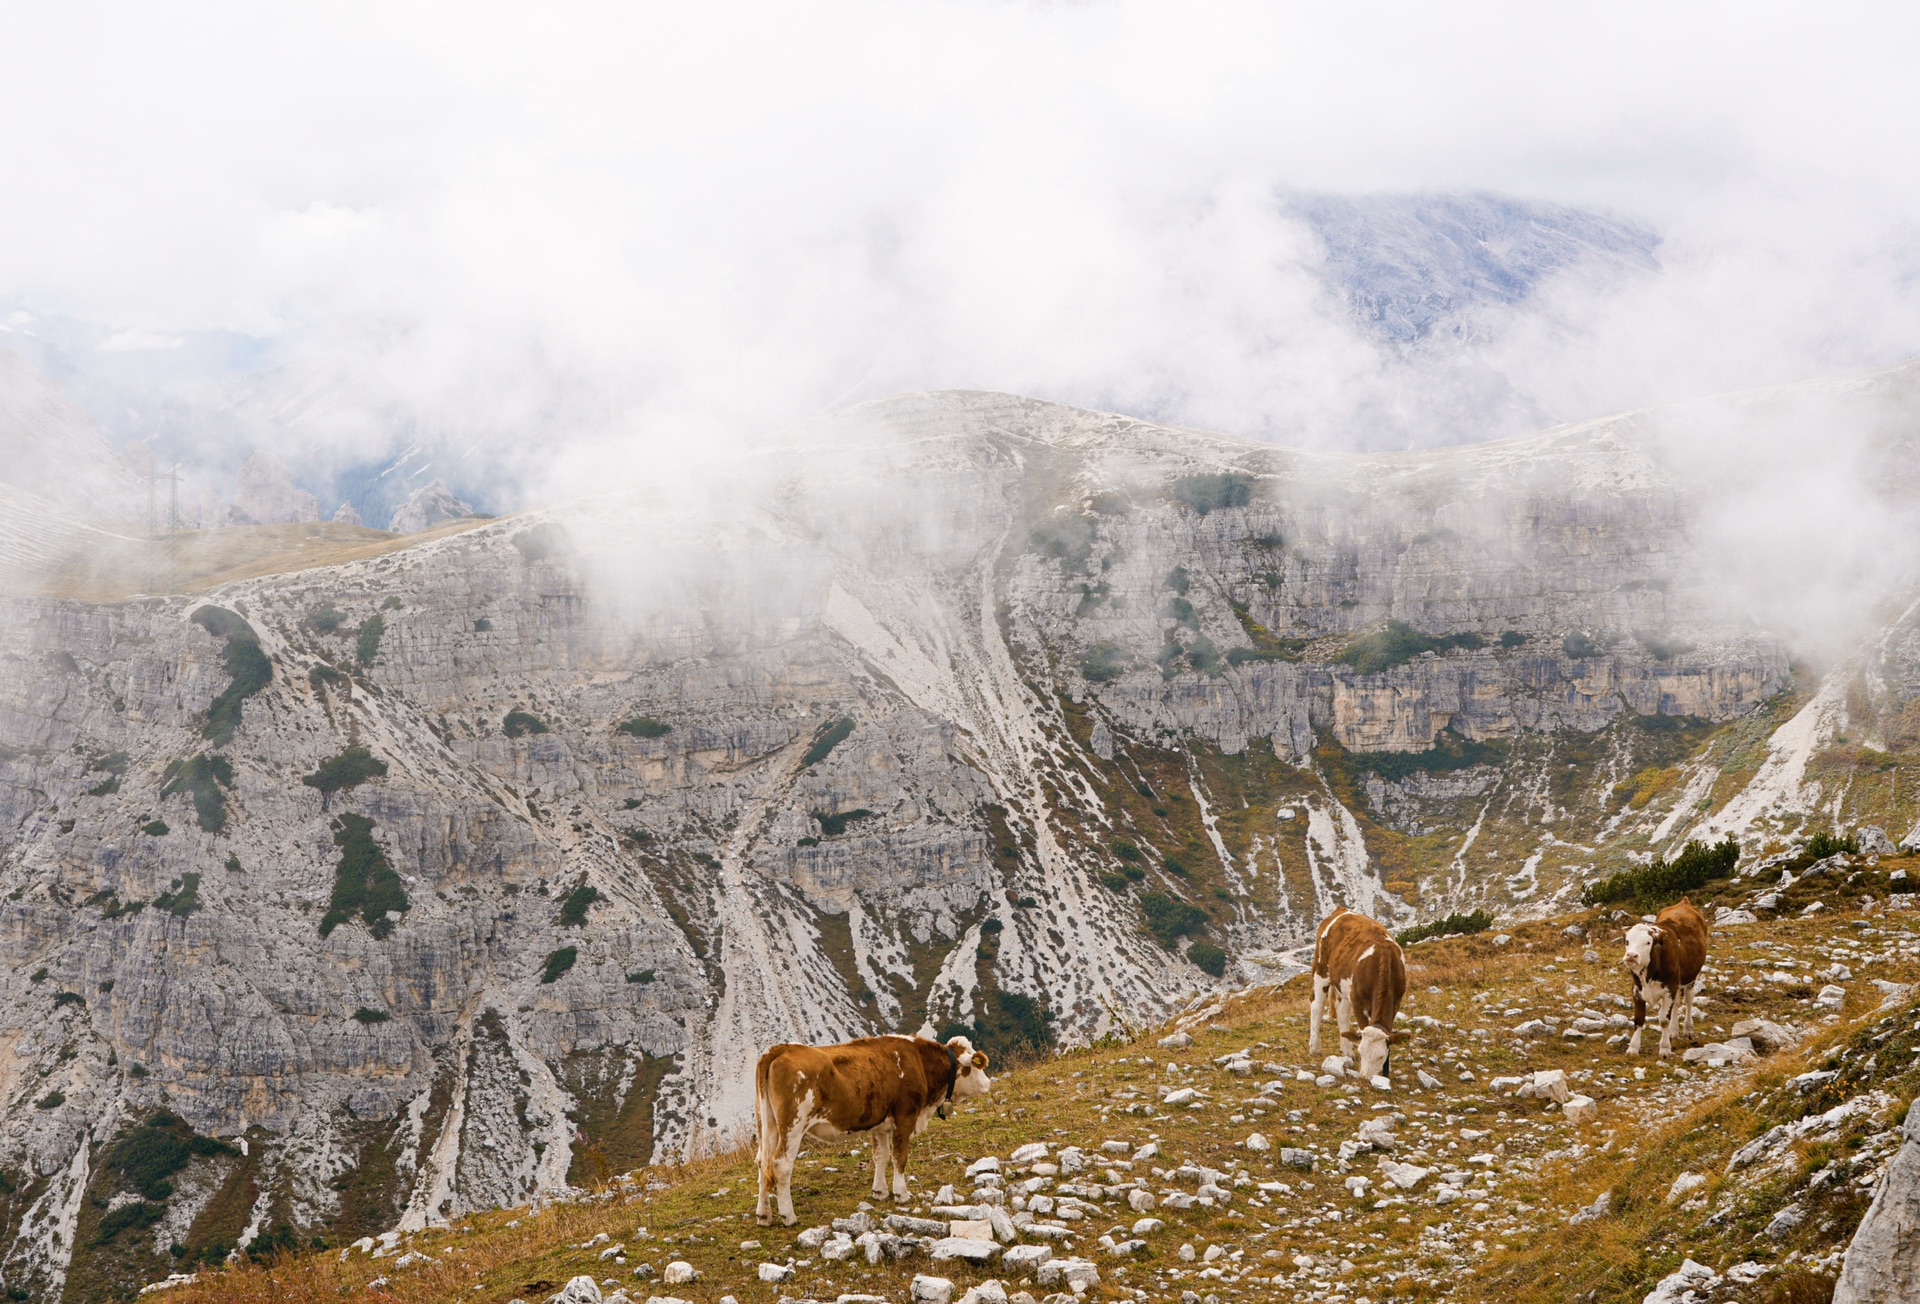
pixel 980 1060
pixel 1349 1036
pixel 1399 1036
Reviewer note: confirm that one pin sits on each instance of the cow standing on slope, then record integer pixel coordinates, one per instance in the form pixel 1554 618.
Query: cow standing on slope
pixel 889 1086
pixel 1664 959
pixel 1358 969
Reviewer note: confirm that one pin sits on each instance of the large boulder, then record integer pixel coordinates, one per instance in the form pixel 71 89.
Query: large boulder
pixel 1882 1263
pixel 427 507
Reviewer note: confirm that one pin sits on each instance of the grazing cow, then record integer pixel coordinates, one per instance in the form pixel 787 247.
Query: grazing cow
pixel 1664 958
pixel 1359 970
pixel 889 1086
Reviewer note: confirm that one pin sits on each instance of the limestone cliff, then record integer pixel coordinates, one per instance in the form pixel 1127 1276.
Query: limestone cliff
pixel 438 878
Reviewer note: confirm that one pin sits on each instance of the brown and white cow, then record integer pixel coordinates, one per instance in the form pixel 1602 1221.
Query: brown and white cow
pixel 1358 969
pixel 889 1086
pixel 1664 959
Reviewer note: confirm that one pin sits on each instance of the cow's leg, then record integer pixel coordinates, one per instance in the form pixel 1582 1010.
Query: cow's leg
pixel 1670 1020
pixel 1343 1010
pixel 761 1214
pixel 1639 1020
pixel 882 1153
pixel 791 1139
pixel 1315 1012
pixel 902 1141
pixel 1692 990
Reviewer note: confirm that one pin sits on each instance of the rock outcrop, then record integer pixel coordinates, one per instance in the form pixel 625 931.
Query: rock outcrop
pixel 427 507
pixel 265 494
pixel 1882 1264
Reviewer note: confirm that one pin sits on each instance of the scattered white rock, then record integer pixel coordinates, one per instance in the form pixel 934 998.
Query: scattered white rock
pixel 1427 1080
pixel 1830 997
pixel 1030 1152
pixel 1140 1201
pixel 1580 1110
pixel 678 1273
pixel 1178 1041
pixel 1255 1142
pixel 1685 1283
pixel 1683 1186
pixel 581 1290
pixel 1403 1176
pixel 1026 1258
pixel 931 1290
pixel 779 1272
pixel 969 1249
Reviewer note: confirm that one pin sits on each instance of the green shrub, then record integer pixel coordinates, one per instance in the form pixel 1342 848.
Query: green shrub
pixel 1824 844
pixel 147 1155
pixel 1091 596
pixel 1580 646
pixel 1662 647
pixel 1125 850
pixel 326 619
pixel 1103 662
pixel 643 977
pixel 1512 639
pixel 1287 649
pixel 247 666
pixel 364 884
pixel 482 625
pixel 1011 1028
pixel 642 727
pixel 69 998
pixel 834 825
pixel 1479 921
pixel 52 1100
pixel 520 723
pixel 1178 580
pixel 1204 656
pixel 115 765
pixel 203 777
pixel 830 736
pixel 1208 493
pixel 1664 882
pixel 1068 539
pixel 183 898
pixel 1173 866
pixel 321 675
pixel 139 1214
pixel 1399 643
pixel 368 1015
pixel 391 602
pixel 349 769
pixel 367 646
pixel 559 962
pixel 155 828
pixel 1169 919
pixel 1113 882
pixel 1450 751
pixel 1209 957
pixel 573 911
pixel 1182 613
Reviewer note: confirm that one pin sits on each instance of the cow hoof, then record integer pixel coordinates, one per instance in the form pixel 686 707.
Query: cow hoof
pixel 788 1219
pixel 763 1219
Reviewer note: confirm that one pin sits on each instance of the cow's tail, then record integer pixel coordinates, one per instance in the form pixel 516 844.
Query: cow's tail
pixel 763 1123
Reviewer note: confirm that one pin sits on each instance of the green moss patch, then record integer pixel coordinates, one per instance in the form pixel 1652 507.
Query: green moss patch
pixel 829 737
pixel 643 727
pixel 519 724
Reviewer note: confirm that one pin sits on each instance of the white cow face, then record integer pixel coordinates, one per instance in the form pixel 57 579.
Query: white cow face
pixel 972 1066
pixel 1373 1051
pixel 1640 942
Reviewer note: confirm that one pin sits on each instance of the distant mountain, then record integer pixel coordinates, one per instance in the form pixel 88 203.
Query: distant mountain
pixel 1413 266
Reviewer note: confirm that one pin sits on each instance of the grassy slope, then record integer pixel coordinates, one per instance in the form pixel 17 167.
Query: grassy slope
pixel 1508 1239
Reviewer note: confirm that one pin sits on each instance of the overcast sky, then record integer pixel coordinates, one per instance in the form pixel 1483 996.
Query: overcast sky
pixel 639 224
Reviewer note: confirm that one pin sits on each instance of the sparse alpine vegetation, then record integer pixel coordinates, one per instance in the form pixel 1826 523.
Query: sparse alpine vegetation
pixel 1104 662
pixel 573 911
pixel 519 724
pixel 1399 643
pixel 1455 925
pixel 834 825
pixel 1663 882
pixel 349 769
pixel 829 737
pixel 364 884
pixel 249 669
pixel 203 777
pixel 366 646
pixel 641 726
pixel 1210 493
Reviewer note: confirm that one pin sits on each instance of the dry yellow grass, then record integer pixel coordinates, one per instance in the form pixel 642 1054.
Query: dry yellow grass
pixel 1652 1128
pixel 195 560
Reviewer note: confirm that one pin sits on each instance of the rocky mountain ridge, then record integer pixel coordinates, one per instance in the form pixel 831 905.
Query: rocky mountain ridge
pixel 433 880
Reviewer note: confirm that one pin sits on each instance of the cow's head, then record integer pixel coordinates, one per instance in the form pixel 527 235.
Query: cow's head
pixel 1641 940
pixel 969 1071
pixel 1374 1051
